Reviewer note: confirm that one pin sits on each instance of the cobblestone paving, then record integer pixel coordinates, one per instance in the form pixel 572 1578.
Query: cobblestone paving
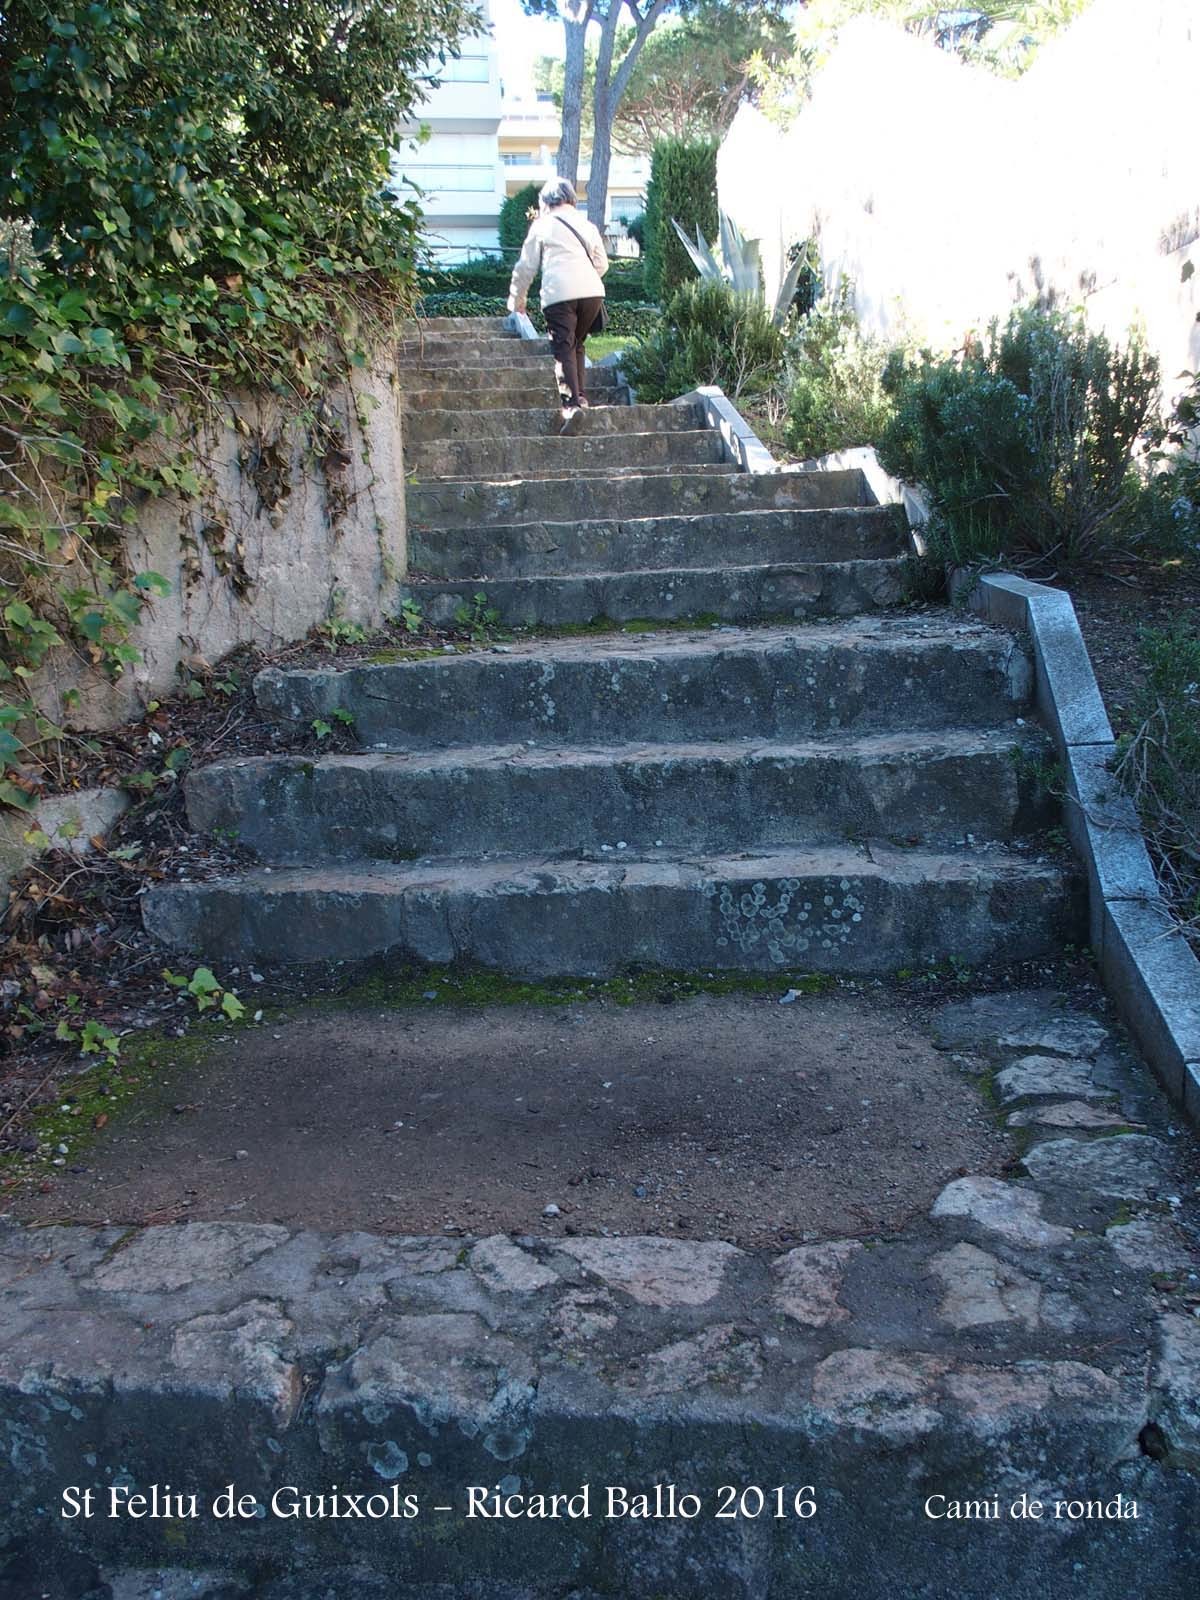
pixel 1036 1334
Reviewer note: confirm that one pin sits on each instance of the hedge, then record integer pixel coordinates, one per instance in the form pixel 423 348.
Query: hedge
pixel 623 318
pixel 683 188
pixel 624 281
pixel 514 222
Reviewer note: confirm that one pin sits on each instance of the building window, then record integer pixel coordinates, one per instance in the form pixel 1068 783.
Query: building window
pixel 452 180
pixel 624 207
pixel 465 69
pixel 519 158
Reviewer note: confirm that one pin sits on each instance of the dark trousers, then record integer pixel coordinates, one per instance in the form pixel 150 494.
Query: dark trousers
pixel 570 322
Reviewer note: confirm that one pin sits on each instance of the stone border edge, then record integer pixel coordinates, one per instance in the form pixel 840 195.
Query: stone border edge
pixel 742 445
pixel 1147 965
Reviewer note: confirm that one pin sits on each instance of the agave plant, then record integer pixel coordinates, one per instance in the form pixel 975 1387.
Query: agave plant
pixel 740 266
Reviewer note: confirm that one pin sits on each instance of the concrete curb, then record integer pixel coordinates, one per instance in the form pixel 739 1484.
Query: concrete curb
pixel 741 442
pixel 1147 965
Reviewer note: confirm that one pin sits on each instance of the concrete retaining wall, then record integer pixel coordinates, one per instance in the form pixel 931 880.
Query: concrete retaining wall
pixel 244 571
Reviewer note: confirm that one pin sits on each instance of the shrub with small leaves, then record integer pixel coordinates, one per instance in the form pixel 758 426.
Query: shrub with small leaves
pixel 1159 764
pixel 1025 440
pixel 836 398
pixel 707 334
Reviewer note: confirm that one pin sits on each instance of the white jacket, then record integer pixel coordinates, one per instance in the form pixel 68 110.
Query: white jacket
pixel 569 270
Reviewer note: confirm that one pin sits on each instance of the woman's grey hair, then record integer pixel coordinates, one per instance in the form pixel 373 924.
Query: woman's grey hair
pixel 557 192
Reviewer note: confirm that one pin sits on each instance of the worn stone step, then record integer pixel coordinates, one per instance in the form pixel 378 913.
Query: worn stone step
pixel 867 674
pixel 586 475
pixel 471 349
pixel 555 454
pixel 515 373
pixel 837 909
pixel 445 399
pixel 800 591
pixel 458 327
pixel 516 800
pixel 458 503
pixel 901 1403
pixel 424 426
pixel 510 355
pixel 636 545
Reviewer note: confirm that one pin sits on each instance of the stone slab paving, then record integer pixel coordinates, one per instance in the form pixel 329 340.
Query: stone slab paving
pixel 1034 1338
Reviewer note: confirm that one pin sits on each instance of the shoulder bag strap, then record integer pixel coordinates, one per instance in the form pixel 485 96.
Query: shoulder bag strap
pixel 578 236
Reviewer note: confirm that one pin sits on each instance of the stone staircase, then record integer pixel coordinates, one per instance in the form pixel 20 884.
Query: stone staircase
pixel 803 778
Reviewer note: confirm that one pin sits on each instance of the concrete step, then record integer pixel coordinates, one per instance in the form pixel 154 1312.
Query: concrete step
pixel 470 504
pixel 515 373
pixel 457 327
pixel 424 426
pixel 515 801
pixel 800 591
pixel 665 542
pixel 556 455
pixel 869 674
pixel 474 359
pixel 838 909
pixel 587 475
pixel 469 347
pixel 539 393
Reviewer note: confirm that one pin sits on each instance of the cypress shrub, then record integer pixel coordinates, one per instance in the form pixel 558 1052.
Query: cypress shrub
pixel 514 224
pixel 683 187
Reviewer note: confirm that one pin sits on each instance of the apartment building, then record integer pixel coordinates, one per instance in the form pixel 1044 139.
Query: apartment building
pixel 530 127
pixel 471 144
pixel 450 155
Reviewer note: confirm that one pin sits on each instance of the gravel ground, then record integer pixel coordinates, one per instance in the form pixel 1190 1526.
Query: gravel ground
pixel 731 1117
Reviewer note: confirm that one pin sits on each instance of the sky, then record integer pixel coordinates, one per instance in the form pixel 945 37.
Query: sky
pixel 520 40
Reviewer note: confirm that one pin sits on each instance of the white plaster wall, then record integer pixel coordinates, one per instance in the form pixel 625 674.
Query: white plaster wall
pixel 303 567
pixel 946 193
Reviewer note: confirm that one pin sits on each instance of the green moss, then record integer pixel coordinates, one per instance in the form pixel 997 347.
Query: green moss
pixel 103 1090
pixel 387 658
pixel 479 987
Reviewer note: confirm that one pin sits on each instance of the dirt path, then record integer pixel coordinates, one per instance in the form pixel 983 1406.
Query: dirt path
pixel 718 1117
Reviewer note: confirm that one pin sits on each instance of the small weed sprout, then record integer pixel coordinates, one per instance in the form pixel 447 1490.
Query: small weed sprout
pixel 207 992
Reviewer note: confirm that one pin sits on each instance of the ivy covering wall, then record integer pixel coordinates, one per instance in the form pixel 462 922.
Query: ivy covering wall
pixel 192 199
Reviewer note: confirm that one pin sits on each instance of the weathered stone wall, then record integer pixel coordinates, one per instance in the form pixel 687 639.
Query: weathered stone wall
pixel 282 539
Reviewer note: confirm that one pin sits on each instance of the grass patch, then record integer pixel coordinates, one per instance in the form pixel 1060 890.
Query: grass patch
pixel 85 1104
pixel 600 345
pixel 387 658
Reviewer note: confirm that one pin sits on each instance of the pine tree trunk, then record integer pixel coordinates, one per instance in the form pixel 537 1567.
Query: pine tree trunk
pixel 610 87
pixel 597 201
pixel 575 27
